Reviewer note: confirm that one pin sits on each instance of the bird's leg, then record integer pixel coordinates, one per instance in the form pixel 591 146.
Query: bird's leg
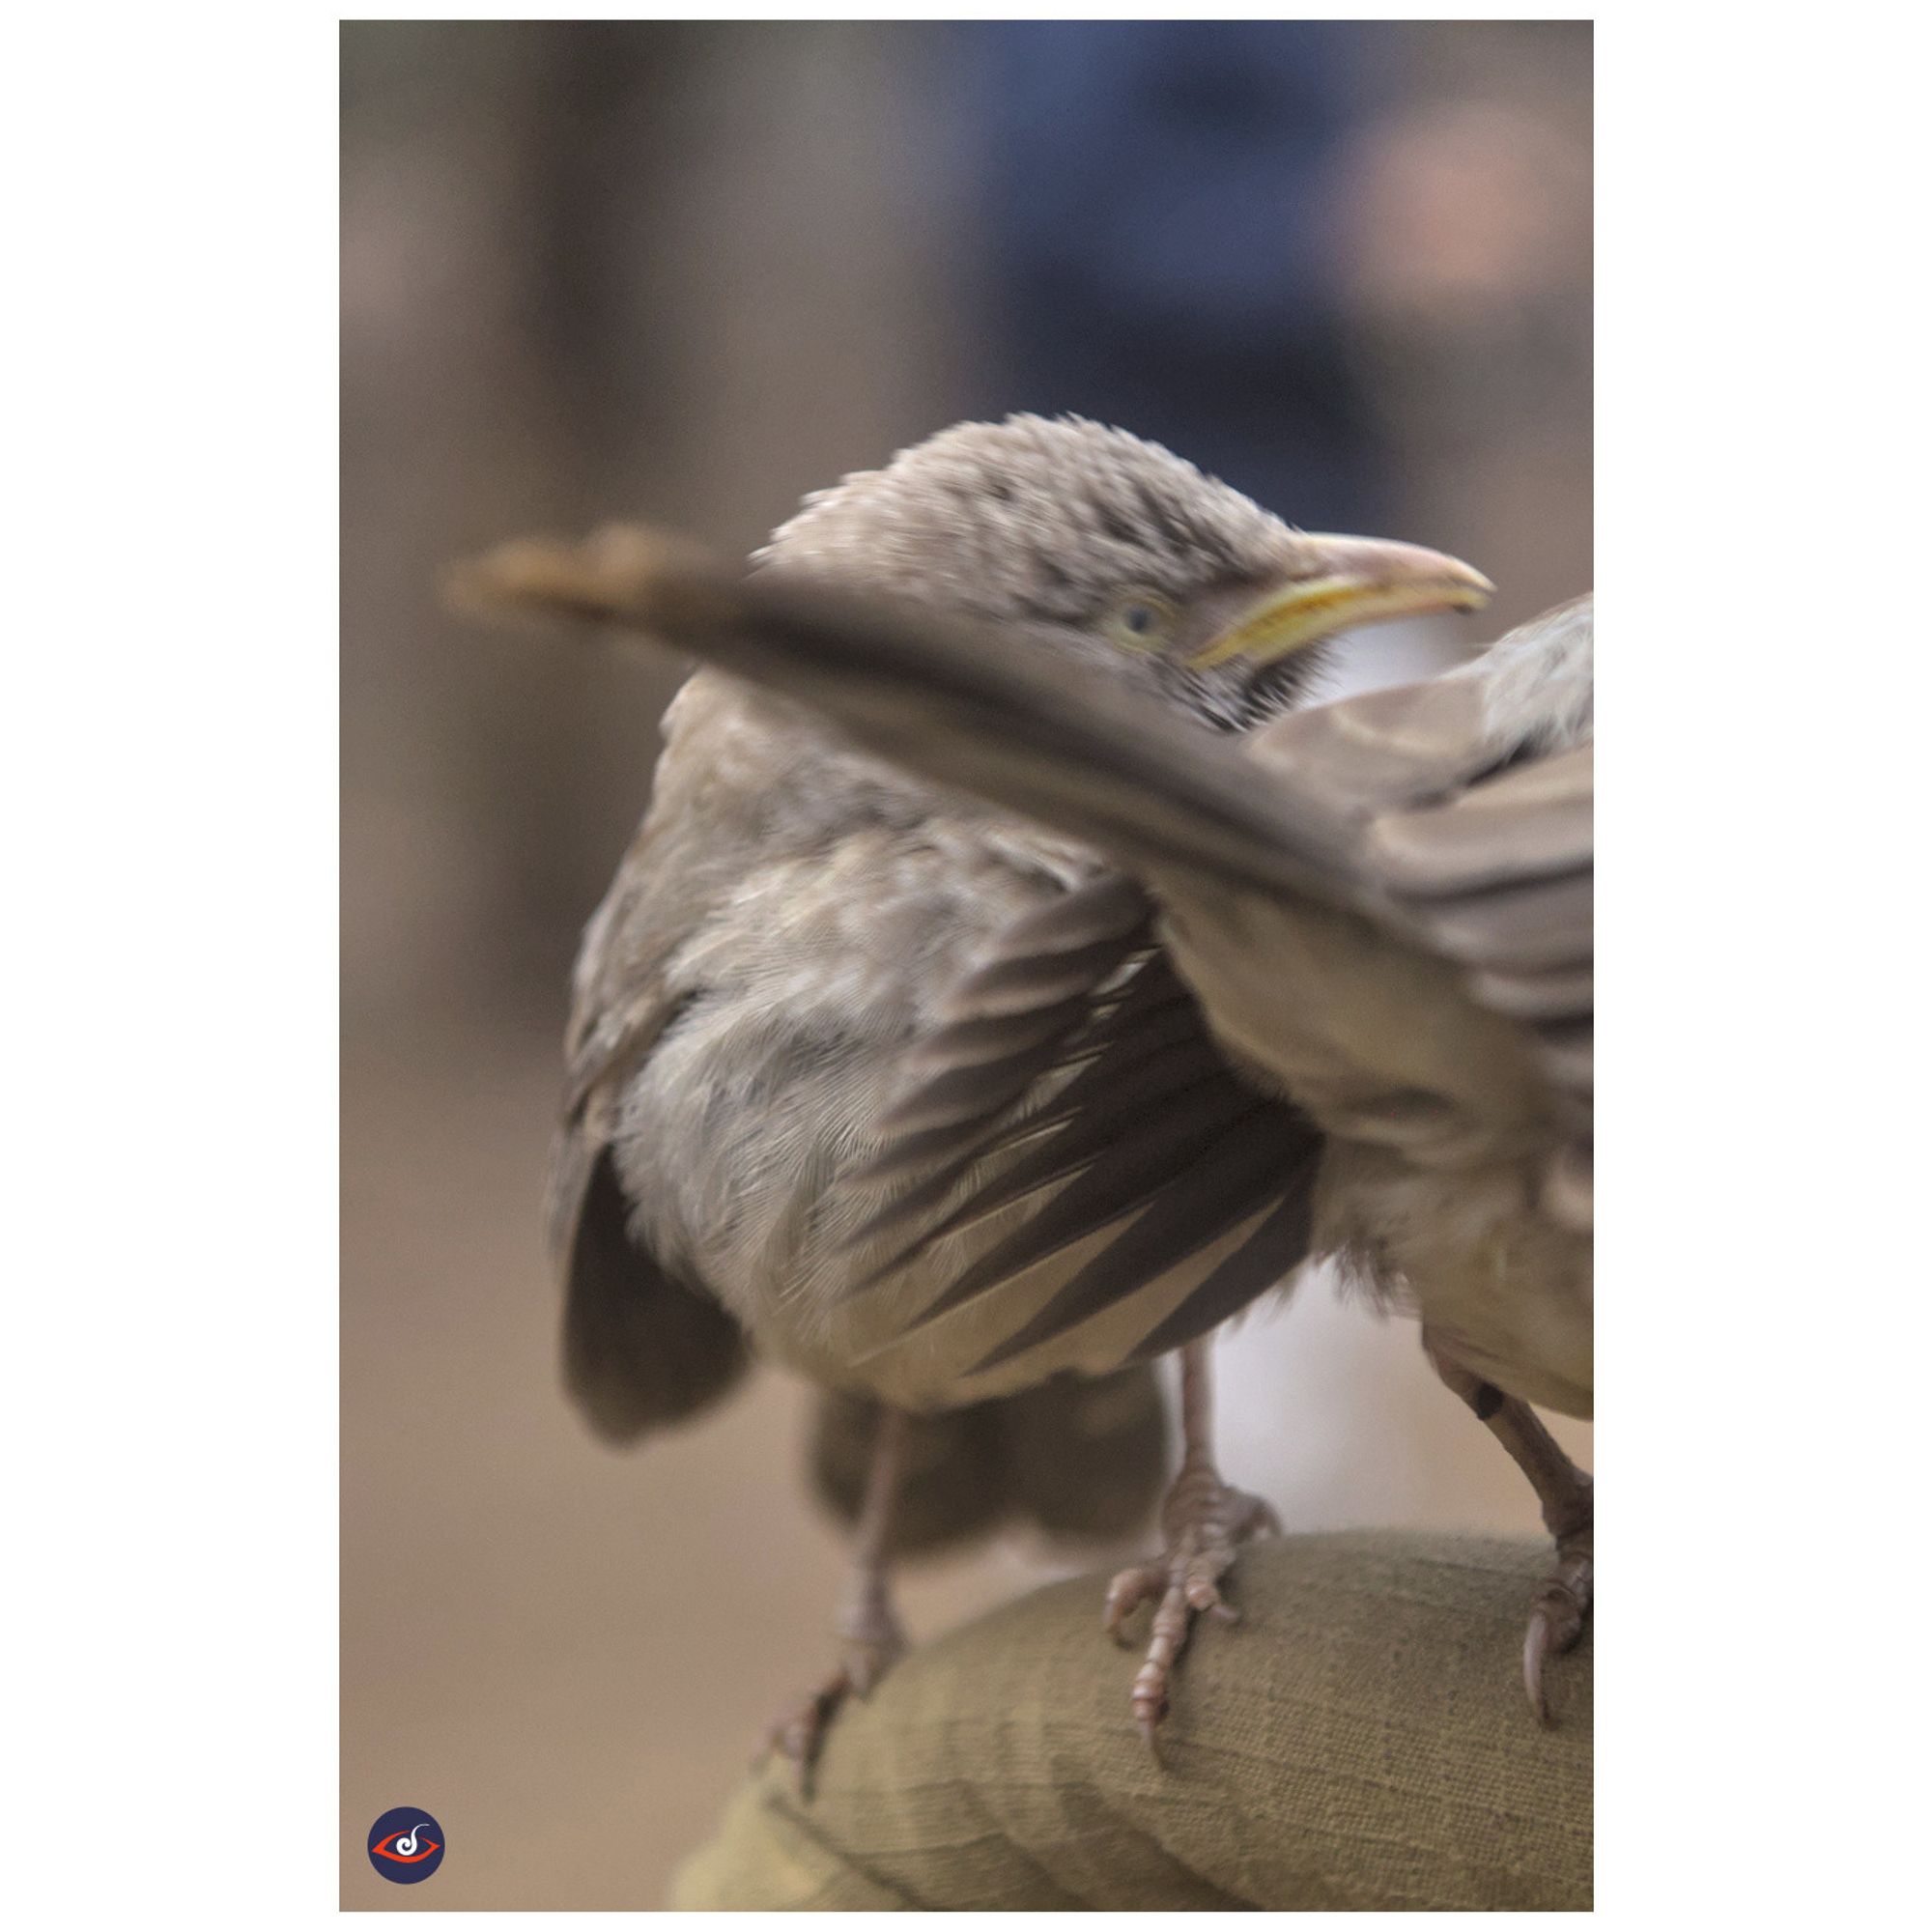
pixel 1557 1616
pixel 1203 1522
pixel 870 1639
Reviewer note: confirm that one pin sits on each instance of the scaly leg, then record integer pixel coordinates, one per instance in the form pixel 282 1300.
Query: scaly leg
pixel 1203 1522
pixel 1557 1616
pixel 868 1630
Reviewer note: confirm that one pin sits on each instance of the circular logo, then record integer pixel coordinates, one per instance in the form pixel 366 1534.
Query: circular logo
pixel 405 1845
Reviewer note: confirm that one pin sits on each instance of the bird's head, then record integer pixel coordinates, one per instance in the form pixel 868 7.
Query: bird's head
pixel 1118 555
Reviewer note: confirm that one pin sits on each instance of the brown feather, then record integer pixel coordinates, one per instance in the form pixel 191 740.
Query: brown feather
pixel 1139 1163
pixel 1267 1259
pixel 1227 1180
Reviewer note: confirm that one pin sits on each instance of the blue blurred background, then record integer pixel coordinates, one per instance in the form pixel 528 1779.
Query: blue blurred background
pixel 1160 212
pixel 689 271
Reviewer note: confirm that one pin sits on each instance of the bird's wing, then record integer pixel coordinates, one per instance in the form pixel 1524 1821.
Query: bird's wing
pixel 967 705
pixel 640 1347
pixel 1464 807
pixel 1075 1071
pixel 1497 878
pixel 1426 814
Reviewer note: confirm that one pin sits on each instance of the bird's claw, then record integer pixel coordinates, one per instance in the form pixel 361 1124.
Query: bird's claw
pixel 1557 1617
pixel 1206 1521
pixel 1127 1592
pixel 800 1734
pixel 873 1642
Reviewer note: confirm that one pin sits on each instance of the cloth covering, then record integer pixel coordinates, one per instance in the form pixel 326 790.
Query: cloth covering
pixel 1359 1740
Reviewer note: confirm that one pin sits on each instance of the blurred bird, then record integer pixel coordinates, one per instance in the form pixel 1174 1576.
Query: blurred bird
pixel 1382 910
pixel 1387 919
pixel 794 916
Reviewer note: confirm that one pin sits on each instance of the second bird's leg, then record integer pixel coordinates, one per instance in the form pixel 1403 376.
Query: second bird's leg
pixel 1203 1522
pixel 870 1639
pixel 1562 1605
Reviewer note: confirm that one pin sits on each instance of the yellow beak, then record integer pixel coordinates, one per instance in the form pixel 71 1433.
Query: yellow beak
pixel 1347 580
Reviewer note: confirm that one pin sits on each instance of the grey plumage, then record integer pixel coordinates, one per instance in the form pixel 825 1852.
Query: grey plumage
pixel 794 911
pixel 1381 906
pixel 1390 924
pixel 1398 938
pixel 787 931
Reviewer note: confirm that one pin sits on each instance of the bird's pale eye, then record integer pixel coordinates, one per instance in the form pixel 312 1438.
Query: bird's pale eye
pixel 1141 620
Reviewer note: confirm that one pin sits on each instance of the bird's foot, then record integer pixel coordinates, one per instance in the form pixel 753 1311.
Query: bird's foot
pixel 1204 1522
pixel 872 1642
pixel 1562 1606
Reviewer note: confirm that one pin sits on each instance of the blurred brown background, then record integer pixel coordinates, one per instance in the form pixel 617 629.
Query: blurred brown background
pixel 688 271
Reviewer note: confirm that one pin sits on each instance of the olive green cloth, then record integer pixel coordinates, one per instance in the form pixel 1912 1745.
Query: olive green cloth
pixel 1359 1740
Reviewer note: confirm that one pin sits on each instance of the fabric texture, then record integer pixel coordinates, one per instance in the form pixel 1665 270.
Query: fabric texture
pixel 1359 1740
